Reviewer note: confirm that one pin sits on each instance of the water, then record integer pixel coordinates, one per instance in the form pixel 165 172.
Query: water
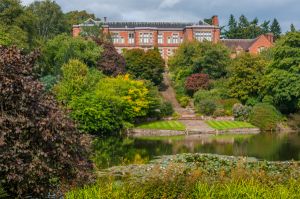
pixel 121 151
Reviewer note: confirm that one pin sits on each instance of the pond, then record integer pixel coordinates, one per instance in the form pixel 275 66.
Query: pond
pixel 266 146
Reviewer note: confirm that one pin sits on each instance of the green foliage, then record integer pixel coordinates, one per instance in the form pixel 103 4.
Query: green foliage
pixel 3 194
pixel 184 101
pixel 245 76
pixel 104 105
pixel 166 109
pixel 62 48
pixel 245 29
pixel 282 80
pixel 49 81
pixel 50 19
pixel 206 107
pixel 145 65
pixel 77 17
pixel 265 116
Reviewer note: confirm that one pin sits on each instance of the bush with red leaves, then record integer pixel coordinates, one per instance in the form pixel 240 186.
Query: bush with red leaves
pixel 41 150
pixel 197 81
pixel 111 62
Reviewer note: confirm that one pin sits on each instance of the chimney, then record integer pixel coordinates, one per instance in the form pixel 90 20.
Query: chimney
pixel 270 37
pixel 215 20
pixel 105 19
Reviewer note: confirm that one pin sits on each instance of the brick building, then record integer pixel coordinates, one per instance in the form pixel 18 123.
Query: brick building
pixel 167 36
pixel 253 46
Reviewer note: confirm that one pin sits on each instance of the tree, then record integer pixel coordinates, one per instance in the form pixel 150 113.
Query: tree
pixel 292 28
pixel 62 48
pixel 77 17
pixel 275 29
pixel 145 65
pixel 41 150
pixel 196 82
pixel 231 33
pixel 50 18
pixel 111 62
pixel 265 27
pixel 245 75
pixel 282 80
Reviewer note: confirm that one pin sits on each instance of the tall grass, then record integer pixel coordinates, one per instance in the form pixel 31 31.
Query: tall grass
pixel 176 182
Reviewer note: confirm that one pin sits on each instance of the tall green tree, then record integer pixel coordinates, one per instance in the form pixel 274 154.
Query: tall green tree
pixel 293 28
pixel 50 18
pixel 282 80
pixel 245 76
pixel 265 27
pixel 76 17
pixel 275 29
pixel 232 28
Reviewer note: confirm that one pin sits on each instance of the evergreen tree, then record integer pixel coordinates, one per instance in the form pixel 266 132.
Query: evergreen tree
pixel 265 27
pixel 293 29
pixel 232 28
pixel 242 27
pixel 275 29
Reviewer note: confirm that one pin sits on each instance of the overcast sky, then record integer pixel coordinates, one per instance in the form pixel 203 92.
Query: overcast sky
pixel 286 11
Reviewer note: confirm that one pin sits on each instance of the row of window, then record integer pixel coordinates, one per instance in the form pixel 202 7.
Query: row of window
pixel 147 38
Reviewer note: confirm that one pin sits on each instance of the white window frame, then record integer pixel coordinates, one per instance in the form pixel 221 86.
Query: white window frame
pixel 203 35
pixel 160 38
pixel 131 36
pixel 117 39
pixel 146 38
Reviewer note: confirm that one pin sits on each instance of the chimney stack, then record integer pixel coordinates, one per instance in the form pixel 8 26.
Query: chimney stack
pixel 215 20
pixel 270 37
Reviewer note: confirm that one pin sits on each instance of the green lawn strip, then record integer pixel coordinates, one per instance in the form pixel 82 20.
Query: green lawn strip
pixel 163 125
pixel 225 125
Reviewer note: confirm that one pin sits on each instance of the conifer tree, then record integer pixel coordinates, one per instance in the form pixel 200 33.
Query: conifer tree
pixel 275 29
pixel 293 29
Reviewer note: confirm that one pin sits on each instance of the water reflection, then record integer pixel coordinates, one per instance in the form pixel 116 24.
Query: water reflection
pixel 120 151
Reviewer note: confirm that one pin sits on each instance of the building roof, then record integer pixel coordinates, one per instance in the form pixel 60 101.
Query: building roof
pixel 91 22
pixel 245 44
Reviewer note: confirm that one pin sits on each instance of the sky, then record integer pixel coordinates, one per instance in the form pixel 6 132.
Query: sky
pixel 286 11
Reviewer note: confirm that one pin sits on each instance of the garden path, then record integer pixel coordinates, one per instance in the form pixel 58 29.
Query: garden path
pixel 169 94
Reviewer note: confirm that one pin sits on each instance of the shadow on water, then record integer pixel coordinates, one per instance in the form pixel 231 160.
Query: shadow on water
pixel 266 146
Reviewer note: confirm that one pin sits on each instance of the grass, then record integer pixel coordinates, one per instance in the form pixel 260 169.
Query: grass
pixel 163 125
pixel 226 125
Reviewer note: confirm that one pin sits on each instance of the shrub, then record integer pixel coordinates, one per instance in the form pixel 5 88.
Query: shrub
pixel 207 107
pixel 166 109
pixel 206 94
pixel 268 99
pixel 41 150
pixel 265 116
pixel 241 112
pixel 219 113
pixel 111 62
pixel 227 104
pixel 184 101
pixel 196 81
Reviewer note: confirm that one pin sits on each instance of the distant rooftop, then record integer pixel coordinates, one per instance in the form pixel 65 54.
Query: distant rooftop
pixel 91 22
pixel 245 44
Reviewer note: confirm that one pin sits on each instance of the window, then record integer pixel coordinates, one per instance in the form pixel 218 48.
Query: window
pixel 160 38
pixel 161 52
pixel 261 49
pixel 170 52
pixel 174 39
pixel 117 39
pixel 146 38
pixel 203 35
pixel 131 38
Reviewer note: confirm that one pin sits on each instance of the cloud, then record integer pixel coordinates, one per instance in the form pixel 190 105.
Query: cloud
pixel 168 3
pixel 286 11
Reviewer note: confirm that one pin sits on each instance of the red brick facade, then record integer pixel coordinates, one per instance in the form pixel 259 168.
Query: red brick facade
pixel 168 36
pixel 164 35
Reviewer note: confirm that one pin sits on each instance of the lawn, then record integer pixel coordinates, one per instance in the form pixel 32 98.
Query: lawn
pixel 163 125
pixel 226 125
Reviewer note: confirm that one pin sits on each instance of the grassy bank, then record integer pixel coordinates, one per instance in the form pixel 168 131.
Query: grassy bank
pixel 197 176
pixel 226 125
pixel 163 125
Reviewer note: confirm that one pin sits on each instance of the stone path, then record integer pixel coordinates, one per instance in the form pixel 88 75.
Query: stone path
pixel 197 127
pixel 169 95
